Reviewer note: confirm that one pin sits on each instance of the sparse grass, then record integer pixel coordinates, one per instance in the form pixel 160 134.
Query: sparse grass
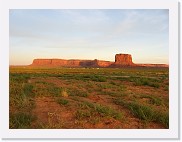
pixel 108 111
pixel 28 89
pixel 84 77
pixel 59 125
pixel 79 93
pixel 145 112
pixel 139 81
pixel 103 111
pixel 89 93
pixel 20 120
pixel 22 100
pixel 113 83
pixel 152 99
pixel 19 77
pixel 95 120
pixel 121 88
pixel 166 88
pixel 82 114
pixel 105 86
pixel 101 79
pixel 46 89
pixel 62 101
pixel 86 105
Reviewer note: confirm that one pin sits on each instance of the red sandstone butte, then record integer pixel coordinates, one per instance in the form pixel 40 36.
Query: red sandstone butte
pixel 123 59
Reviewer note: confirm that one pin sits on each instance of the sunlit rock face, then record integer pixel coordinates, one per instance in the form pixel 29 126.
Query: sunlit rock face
pixel 123 59
pixel 71 63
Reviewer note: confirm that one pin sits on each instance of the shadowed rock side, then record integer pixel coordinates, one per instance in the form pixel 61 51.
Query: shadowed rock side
pixel 121 60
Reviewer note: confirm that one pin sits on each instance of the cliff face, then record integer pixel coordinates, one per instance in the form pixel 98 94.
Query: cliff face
pixel 120 60
pixel 70 63
pixel 123 59
pixel 104 63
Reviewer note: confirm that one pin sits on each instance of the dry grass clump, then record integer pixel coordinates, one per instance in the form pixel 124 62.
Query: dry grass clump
pixel 64 93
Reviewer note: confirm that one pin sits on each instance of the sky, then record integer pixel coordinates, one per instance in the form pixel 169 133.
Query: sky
pixel 88 34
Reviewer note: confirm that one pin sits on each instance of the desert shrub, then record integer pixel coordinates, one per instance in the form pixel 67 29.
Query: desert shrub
pixel 64 93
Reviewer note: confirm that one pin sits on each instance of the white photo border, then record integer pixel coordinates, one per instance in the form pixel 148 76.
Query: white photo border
pixel 171 133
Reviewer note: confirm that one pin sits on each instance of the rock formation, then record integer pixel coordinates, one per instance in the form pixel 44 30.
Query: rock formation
pixel 70 63
pixel 121 60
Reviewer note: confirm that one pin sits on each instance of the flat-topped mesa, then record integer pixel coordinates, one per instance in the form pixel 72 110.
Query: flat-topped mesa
pixel 123 60
pixel 56 62
pixel 70 63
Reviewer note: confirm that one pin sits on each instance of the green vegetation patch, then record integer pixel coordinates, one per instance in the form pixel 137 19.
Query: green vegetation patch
pixel 76 92
pixel 82 114
pixel 139 81
pixel 84 77
pixel 21 95
pixel 145 112
pixel 46 89
pixel 28 89
pixel 108 111
pixel 152 99
pixel 62 101
pixel 103 111
pixel 26 83
pixel 20 120
pixel 19 77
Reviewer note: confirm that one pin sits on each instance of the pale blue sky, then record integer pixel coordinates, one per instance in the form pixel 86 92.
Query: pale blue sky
pixel 88 34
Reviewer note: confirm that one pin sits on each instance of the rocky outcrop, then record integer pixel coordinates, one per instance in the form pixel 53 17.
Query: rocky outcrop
pixel 121 60
pixel 101 63
pixel 70 63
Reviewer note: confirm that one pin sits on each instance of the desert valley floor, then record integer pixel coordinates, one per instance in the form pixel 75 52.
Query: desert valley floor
pixel 76 98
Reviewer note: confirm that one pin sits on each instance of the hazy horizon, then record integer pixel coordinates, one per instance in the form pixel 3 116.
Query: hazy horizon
pixel 88 34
